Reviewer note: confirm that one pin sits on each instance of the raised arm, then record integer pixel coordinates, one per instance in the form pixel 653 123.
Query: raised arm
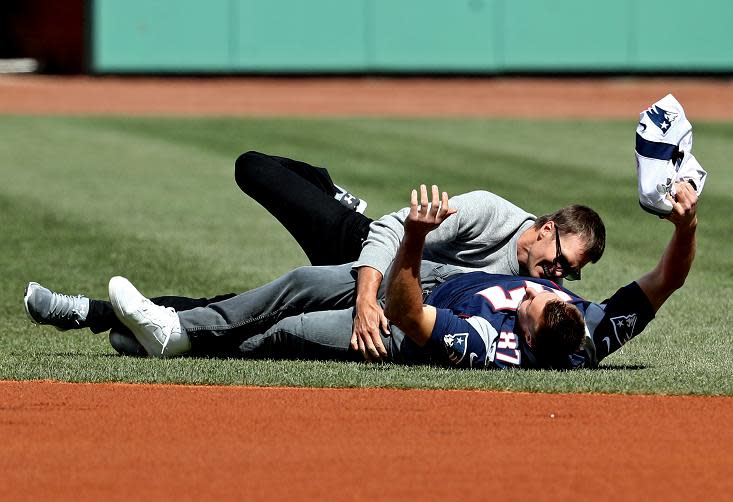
pixel 625 314
pixel 379 251
pixel 670 273
pixel 404 294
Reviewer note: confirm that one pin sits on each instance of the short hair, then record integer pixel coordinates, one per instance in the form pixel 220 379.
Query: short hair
pixel 582 221
pixel 560 333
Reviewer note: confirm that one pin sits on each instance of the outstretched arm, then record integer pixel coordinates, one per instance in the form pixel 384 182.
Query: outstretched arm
pixel 670 273
pixel 404 294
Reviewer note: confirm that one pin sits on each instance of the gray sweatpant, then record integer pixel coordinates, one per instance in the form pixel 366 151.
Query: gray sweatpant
pixel 251 320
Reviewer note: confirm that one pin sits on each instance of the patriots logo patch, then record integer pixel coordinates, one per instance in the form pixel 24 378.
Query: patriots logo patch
pixel 661 118
pixel 623 327
pixel 455 346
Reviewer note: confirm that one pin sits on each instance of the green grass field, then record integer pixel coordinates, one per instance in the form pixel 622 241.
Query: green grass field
pixel 83 199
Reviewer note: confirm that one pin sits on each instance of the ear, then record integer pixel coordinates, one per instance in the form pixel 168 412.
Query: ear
pixel 547 229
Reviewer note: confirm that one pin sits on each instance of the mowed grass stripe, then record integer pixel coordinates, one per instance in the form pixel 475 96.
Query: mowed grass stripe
pixel 154 199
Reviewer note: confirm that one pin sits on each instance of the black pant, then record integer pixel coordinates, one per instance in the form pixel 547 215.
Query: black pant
pixel 301 197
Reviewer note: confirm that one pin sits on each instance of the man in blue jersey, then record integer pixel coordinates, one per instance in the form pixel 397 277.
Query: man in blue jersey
pixel 439 316
pixel 477 319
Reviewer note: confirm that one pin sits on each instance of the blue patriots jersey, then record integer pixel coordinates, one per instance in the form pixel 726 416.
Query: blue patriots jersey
pixel 476 324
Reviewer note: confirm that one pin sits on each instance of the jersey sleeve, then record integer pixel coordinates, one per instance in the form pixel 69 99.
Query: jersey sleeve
pixel 462 342
pixel 613 323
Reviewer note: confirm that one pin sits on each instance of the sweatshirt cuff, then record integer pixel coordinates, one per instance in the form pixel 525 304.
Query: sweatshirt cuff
pixel 373 260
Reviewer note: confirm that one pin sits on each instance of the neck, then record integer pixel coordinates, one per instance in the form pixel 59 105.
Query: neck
pixel 523 245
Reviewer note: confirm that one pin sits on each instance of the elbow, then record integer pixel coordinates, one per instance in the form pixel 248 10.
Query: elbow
pixel 402 316
pixel 393 313
pixel 675 283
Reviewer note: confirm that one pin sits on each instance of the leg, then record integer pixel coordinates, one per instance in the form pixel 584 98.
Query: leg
pixel 300 196
pixel 220 326
pixel 327 334
pixel 324 335
pixel 305 289
pixel 316 335
pixel 102 317
pixel 65 312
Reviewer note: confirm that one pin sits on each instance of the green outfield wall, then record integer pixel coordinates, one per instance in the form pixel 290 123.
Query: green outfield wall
pixel 477 36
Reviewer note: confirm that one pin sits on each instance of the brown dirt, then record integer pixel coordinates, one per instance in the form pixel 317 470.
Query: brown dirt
pixel 116 442
pixel 111 441
pixel 419 97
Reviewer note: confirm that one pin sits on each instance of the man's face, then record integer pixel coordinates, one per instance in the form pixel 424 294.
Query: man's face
pixel 529 312
pixel 544 259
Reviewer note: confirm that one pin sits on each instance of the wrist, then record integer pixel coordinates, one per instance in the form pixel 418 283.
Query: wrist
pixel 413 241
pixel 365 300
pixel 688 227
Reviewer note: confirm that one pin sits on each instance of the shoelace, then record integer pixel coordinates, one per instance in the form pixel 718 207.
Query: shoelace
pixel 153 311
pixel 65 307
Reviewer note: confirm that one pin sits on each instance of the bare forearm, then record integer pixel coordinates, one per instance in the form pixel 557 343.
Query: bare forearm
pixel 404 292
pixel 679 255
pixel 367 285
pixel 671 272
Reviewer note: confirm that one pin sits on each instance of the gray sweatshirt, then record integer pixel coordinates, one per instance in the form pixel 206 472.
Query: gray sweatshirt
pixel 482 235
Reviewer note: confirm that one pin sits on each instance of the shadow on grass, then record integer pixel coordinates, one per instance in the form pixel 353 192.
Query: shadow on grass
pixel 383 366
pixel 75 355
pixel 616 367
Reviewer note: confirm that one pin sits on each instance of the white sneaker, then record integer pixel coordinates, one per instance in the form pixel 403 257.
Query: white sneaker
pixel 157 328
pixel 350 200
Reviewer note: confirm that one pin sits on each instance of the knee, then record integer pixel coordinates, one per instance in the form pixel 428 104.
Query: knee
pixel 317 283
pixel 244 168
pixel 302 277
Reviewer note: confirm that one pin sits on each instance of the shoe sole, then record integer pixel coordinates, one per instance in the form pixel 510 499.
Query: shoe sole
pixel 26 296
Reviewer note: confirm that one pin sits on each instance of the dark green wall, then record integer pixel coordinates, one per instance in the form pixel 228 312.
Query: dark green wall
pixel 491 36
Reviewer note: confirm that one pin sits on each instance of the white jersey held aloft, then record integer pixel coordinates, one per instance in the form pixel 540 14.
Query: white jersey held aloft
pixel 664 155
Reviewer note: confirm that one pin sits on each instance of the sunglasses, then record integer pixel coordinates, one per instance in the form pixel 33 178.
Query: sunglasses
pixel 568 272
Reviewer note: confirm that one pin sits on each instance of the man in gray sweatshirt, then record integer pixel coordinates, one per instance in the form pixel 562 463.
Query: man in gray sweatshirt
pixel 488 233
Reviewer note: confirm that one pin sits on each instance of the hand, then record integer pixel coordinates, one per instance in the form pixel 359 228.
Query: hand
pixel 365 337
pixel 684 206
pixel 427 217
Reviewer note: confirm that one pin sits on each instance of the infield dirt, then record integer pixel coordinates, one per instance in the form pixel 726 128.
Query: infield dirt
pixel 121 442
